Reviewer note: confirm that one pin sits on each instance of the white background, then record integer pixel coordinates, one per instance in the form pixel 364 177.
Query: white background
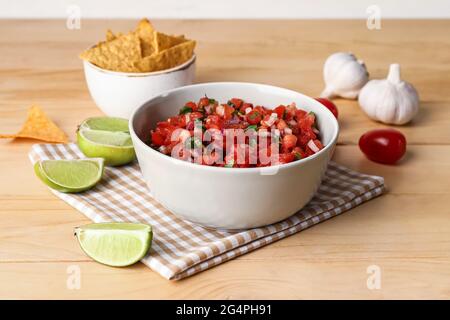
pixel 216 9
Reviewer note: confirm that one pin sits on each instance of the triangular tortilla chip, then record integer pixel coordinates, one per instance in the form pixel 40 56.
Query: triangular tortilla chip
pixel 168 58
pixel 144 31
pixel 119 54
pixel 39 126
pixel 163 41
pixel 110 36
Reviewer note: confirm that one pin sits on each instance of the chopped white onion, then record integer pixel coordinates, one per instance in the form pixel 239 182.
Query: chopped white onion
pixel 220 110
pixel 162 149
pixel 270 121
pixel 292 122
pixel 313 146
pixel 287 130
pixel 315 131
pixel 248 110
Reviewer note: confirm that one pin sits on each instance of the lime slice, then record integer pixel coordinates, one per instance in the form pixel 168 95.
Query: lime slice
pixel 70 175
pixel 116 244
pixel 107 138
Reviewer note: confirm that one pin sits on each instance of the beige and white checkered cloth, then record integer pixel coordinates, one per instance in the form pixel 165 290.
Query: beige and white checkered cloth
pixel 180 248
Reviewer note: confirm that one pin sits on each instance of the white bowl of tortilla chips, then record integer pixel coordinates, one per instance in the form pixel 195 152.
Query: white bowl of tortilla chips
pixel 127 70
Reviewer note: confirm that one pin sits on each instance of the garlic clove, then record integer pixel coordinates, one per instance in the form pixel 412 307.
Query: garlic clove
pixel 390 100
pixel 344 76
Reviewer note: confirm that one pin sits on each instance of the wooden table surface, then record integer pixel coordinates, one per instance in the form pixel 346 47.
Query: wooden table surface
pixel 406 232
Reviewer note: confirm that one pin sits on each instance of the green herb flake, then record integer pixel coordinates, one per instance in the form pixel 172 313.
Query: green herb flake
pixel 185 110
pixel 298 156
pixel 253 115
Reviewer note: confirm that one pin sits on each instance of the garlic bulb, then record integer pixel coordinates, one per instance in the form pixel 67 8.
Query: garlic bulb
pixel 390 100
pixel 344 76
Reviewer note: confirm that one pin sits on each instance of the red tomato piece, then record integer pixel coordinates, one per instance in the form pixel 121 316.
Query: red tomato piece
pixel 286 157
pixel 244 107
pixel 237 102
pixel 289 141
pixel 329 105
pixel 385 146
pixel 157 138
pixel 280 111
pixel 254 117
pixel 192 105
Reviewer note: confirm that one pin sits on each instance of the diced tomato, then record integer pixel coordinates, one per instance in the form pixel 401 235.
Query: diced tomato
pixel 228 111
pixel 157 138
pixel 203 102
pixel 194 115
pixel 192 105
pixel 286 157
pixel 254 117
pixel 237 102
pixel 280 110
pixel 244 107
pixel 281 124
pixel 300 113
pixel 289 141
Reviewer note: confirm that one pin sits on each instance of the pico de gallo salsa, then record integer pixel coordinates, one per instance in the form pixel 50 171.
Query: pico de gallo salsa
pixel 283 134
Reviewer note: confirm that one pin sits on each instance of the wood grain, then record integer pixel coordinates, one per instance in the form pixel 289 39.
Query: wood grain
pixel 406 232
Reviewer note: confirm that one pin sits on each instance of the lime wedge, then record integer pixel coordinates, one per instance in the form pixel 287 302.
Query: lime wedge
pixel 108 138
pixel 70 175
pixel 105 124
pixel 116 244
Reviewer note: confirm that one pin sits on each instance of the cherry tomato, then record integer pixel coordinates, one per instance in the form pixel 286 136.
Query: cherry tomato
pixel 330 106
pixel 383 145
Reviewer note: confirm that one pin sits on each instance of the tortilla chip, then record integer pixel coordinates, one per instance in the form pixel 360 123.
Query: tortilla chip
pixel 168 58
pixel 163 41
pixel 39 126
pixel 144 31
pixel 110 36
pixel 119 54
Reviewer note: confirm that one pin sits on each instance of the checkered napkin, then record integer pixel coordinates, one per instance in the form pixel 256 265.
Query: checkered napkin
pixel 180 248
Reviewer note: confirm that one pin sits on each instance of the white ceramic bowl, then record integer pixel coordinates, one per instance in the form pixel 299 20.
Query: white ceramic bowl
pixel 118 94
pixel 230 198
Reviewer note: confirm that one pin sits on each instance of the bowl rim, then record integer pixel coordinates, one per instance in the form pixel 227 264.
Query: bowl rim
pixel 180 67
pixel 283 166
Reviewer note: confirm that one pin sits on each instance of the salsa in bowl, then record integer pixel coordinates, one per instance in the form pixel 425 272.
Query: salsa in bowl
pixel 237 134
pixel 233 196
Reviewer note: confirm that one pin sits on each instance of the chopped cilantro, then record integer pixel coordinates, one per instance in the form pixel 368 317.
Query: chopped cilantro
pixel 252 127
pixel 185 110
pixel 297 155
